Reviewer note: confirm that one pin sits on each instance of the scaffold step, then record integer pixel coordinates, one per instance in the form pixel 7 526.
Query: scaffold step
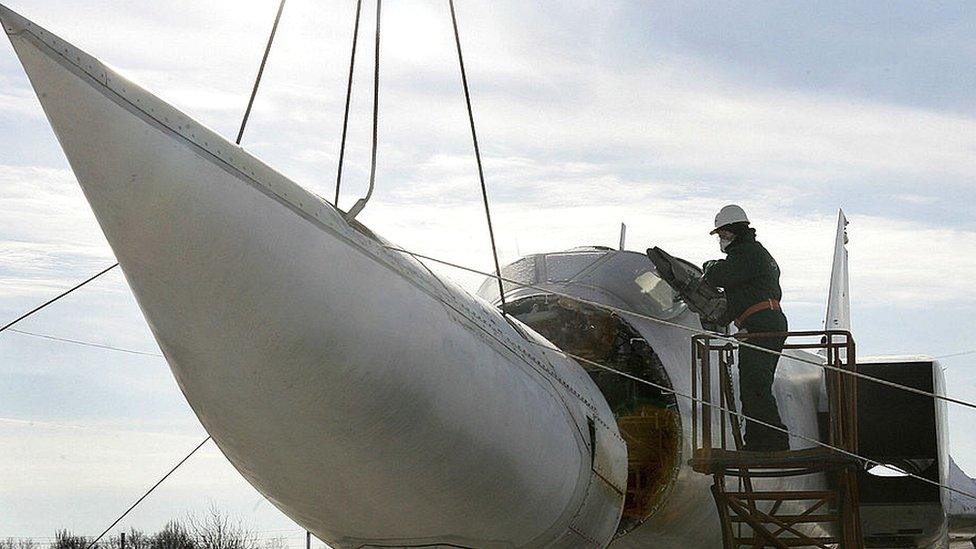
pixel 712 460
pixel 789 542
pixel 798 495
pixel 795 519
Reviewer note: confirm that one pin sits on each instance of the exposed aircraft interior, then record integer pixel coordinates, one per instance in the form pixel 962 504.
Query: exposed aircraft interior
pixel 647 417
pixel 367 434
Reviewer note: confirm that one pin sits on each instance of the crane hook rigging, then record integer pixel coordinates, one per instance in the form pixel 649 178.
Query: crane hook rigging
pixel 361 203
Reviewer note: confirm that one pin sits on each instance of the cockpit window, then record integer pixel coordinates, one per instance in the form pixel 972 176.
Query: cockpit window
pixel 566 266
pixel 657 290
pixel 633 279
pixel 520 273
pixel 629 277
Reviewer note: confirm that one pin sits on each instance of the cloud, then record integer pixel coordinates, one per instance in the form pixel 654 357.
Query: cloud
pixel 50 236
pixel 17 102
pixel 583 123
pixel 547 207
pixel 916 199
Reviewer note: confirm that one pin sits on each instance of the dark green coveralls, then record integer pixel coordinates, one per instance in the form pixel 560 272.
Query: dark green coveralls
pixel 749 275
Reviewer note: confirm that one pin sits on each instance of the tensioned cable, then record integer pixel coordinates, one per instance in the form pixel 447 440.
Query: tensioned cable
pixel 361 203
pixel 59 296
pixel 866 461
pixel 863 459
pixel 345 117
pixel 961 353
pixel 84 343
pixel 477 155
pixel 240 136
pixel 144 496
pixel 257 80
pixel 498 271
pixel 692 330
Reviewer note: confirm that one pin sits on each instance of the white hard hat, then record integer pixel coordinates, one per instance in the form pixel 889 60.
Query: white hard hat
pixel 728 215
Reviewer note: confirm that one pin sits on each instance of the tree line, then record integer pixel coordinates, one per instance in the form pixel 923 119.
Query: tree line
pixel 212 530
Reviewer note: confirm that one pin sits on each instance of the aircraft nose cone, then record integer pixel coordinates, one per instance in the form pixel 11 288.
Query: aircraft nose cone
pixel 370 401
pixel 11 21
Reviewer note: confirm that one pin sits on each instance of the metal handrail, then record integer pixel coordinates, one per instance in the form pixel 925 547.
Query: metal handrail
pixel 839 352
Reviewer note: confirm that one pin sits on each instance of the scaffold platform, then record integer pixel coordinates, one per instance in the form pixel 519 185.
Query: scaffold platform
pixel 770 506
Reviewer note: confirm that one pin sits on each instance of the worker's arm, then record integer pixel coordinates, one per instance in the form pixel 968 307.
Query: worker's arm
pixel 730 272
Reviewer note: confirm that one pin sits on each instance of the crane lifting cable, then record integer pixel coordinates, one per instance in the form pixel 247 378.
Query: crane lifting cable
pixel 694 331
pixel 345 116
pixel 477 155
pixel 240 136
pixel 497 274
pixel 257 79
pixel 361 203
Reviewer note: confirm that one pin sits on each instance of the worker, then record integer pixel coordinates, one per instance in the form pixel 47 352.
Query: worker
pixel 750 278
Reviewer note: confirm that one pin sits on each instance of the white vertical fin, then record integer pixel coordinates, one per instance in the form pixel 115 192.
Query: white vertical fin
pixel 839 298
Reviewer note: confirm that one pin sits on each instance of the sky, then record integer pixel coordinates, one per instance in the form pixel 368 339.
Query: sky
pixel 589 113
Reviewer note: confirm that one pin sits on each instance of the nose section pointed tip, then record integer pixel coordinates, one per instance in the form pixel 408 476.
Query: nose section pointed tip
pixel 12 21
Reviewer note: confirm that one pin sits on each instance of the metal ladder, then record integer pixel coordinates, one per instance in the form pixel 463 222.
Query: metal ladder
pixel 821 509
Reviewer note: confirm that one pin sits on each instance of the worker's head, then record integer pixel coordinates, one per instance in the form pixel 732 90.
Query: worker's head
pixel 730 222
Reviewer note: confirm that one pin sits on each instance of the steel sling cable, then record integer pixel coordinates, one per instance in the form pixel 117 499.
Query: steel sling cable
pixel 694 331
pixel 477 155
pixel 257 80
pixel 345 116
pixel 361 203
pixel 149 491
pixel 961 353
pixel 866 461
pixel 860 458
pixel 240 135
pixel 84 343
pixel 59 296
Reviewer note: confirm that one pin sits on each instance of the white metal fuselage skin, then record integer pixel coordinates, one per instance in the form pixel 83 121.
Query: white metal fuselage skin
pixel 372 403
pixel 687 517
